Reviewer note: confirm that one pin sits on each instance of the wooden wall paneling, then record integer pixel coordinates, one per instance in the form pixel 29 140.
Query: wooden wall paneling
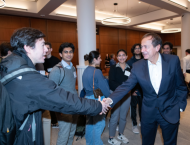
pixel 177 39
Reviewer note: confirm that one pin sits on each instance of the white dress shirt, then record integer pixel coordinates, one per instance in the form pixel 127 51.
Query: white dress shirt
pixel 186 63
pixel 155 72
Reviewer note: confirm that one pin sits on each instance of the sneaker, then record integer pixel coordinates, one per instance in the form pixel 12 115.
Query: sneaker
pixel 123 138
pixel 113 141
pixel 117 128
pixel 54 125
pixel 135 129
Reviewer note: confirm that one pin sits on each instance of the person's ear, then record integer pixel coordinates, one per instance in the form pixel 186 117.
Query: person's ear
pixel 28 49
pixel 60 54
pixel 51 49
pixel 158 48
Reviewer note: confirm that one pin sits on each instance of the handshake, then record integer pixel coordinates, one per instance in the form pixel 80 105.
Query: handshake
pixel 106 102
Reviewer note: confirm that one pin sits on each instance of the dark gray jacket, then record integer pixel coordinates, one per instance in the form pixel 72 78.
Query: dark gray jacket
pixel 33 92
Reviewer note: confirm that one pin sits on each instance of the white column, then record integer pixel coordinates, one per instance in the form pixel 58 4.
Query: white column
pixel 86 28
pixel 185 33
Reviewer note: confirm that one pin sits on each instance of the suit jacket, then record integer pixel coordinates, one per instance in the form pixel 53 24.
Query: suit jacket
pixel 171 95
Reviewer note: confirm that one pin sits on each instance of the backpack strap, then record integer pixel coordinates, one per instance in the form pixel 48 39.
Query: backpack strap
pixel 60 81
pixel 14 74
pixel 33 126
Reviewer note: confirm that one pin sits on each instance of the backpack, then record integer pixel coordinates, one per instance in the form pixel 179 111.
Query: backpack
pixel 7 124
pixel 80 129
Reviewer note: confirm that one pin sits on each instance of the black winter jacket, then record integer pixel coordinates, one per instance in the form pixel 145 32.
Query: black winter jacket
pixel 33 92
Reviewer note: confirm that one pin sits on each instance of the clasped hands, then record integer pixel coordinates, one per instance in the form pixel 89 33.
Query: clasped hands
pixel 106 102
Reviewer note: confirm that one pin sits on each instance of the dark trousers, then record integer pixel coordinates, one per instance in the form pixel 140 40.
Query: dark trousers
pixel 169 131
pixel 134 101
pixel 53 117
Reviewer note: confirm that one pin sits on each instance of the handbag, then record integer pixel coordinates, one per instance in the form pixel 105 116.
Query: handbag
pixel 96 92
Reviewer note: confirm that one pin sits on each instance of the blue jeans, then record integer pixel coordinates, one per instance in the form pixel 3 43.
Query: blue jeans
pixel 94 127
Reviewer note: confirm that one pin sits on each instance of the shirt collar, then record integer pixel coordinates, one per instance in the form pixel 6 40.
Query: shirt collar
pixel 118 65
pixel 66 64
pixel 158 61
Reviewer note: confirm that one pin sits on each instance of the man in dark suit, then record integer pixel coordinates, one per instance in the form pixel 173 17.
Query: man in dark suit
pixel 164 91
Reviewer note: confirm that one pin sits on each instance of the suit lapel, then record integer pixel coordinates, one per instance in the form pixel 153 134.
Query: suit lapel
pixel 147 75
pixel 164 72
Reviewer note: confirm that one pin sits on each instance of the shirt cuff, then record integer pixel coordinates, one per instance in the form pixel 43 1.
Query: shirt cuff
pixel 181 110
pixel 110 101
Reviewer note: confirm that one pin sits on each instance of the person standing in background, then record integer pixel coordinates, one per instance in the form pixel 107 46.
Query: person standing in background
pixel 136 92
pixel 112 61
pixel 107 61
pixel 117 75
pixel 167 48
pixel 93 79
pixel 186 63
pixel 49 62
pixel 64 75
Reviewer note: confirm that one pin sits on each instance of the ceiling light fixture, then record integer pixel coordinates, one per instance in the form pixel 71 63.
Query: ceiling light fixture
pixel 139 2
pixel 116 20
pixel 171 30
pixel 14 8
pixel 149 27
pixel 178 3
pixel 66 15
pixel 3 5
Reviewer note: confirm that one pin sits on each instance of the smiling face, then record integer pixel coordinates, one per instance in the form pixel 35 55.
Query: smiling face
pixel 67 54
pixel 137 50
pixel 121 57
pixel 166 49
pixel 37 54
pixel 148 50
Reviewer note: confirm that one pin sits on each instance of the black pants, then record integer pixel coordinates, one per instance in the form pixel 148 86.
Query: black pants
pixel 134 101
pixel 53 117
pixel 149 130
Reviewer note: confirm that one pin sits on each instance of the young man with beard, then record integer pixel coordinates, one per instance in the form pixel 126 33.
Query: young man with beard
pixel 136 91
pixel 64 75
pixel 31 92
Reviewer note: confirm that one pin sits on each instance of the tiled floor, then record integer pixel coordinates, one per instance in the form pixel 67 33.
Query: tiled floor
pixel 135 139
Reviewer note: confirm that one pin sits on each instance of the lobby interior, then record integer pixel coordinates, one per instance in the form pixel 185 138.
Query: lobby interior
pixel 57 19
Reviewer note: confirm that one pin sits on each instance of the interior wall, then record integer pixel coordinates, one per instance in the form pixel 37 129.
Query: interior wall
pixel 109 40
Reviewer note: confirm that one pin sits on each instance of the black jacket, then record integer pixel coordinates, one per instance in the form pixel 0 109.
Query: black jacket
pixel 33 92
pixel 117 76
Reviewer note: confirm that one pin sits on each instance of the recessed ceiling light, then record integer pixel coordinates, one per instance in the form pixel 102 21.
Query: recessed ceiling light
pixel 139 2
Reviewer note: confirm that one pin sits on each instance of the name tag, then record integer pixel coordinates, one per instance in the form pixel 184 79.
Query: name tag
pixel 127 73
pixel 74 73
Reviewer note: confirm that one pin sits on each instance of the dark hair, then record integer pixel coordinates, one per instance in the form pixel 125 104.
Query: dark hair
pixel 111 55
pixel 187 50
pixel 90 57
pixel 25 36
pixel 168 43
pixel 134 46
pixel 64 45
pixel 156 40
pixel 48 43
pixel 122 51
pixel 5 47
